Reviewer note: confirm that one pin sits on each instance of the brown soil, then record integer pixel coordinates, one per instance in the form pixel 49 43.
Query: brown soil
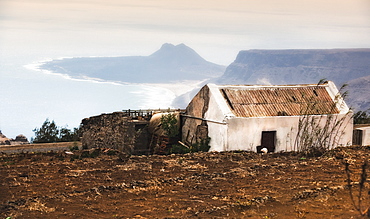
pixel 100 184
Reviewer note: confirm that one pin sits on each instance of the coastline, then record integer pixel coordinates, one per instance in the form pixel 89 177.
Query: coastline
pixel 156 93
pixel 177 88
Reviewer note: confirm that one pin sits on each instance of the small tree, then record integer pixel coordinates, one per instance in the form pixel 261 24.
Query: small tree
pixel 361 117
pixel 66 135
pixel 47 133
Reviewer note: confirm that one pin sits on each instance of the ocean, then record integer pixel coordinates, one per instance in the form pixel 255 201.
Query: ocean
pixel 30 95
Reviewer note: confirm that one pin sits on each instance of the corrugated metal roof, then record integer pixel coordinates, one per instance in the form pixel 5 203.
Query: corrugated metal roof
pixel 279 101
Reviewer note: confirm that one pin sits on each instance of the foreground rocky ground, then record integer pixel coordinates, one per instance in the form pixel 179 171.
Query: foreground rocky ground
pixel 105 184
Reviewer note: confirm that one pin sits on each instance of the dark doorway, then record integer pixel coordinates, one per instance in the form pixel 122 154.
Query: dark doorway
pixel 357 137
pixel 268 140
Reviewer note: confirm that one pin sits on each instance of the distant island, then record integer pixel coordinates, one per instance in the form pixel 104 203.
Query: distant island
pixel 169 64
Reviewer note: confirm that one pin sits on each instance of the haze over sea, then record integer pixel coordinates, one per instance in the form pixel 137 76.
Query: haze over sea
pixel 33 31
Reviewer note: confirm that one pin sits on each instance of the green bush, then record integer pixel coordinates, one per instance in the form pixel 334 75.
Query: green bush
pixel 112 152
pixel 203 145
pixel 179 149
pixel 74 147
pixel 169 125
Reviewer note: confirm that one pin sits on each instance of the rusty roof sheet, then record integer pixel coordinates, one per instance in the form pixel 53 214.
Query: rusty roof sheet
pixel 279 101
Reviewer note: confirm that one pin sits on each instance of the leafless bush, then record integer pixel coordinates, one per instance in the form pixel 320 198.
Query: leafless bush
pixel 358 204
pixel 318 133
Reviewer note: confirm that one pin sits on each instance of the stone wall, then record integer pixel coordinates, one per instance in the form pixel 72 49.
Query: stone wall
pixel 116 130
pixel 194 128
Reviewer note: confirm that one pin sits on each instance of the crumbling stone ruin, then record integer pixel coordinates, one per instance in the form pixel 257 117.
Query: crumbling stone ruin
pixel 131 132
pixel 124 131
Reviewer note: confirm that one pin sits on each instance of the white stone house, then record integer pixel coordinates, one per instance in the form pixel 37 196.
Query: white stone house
pixel 249 117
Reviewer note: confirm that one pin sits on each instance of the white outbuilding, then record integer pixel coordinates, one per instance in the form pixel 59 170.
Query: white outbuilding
pixel 361 135
pixel 278 117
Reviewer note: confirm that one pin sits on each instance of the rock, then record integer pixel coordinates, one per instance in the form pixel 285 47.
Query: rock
pixel 1 135
pixel 4 140
pixel 20 139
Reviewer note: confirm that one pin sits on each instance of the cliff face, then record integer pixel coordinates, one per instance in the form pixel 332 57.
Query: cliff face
pixel 360 93
pixel 303 66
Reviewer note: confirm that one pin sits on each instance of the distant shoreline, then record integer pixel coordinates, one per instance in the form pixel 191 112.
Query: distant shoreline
pixel 177 87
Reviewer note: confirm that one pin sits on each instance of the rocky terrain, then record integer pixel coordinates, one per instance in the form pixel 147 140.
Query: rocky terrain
pixel 99 184
pixel 305 66
pixel 20 139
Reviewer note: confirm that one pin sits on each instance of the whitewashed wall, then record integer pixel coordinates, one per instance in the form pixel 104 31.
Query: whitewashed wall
pixel 365 135
pixel 245 133
pixel 217 112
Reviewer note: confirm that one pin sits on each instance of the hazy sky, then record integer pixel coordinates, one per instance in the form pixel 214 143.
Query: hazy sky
pixel 216 29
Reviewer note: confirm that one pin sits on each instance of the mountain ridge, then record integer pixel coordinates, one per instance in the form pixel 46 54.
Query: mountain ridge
pixel 296 66
pixel 168 64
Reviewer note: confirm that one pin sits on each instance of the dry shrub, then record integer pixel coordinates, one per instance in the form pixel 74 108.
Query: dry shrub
pixel 129 166
pixel 318 133
pixel 37 205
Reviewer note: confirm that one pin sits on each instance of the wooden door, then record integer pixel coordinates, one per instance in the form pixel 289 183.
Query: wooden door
pixel 357 137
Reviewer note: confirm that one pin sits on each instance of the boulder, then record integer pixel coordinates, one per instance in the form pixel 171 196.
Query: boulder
pixel 20 139
pixel 4 140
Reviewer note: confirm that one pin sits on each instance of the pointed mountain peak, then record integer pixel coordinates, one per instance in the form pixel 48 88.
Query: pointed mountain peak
pixel 168 47
pixel 169 51
pixel 171 46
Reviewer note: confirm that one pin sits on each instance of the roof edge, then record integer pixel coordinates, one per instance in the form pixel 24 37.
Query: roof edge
pixel 247 86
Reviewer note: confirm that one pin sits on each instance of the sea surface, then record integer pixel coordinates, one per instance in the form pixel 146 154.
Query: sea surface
pixel 30 95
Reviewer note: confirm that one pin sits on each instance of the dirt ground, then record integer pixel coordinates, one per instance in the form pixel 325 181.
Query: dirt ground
pixel 104 184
